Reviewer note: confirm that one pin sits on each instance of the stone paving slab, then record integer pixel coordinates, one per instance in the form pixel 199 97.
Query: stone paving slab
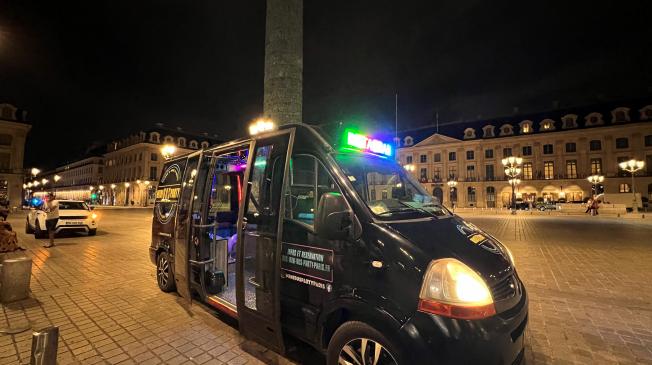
pixel 589 280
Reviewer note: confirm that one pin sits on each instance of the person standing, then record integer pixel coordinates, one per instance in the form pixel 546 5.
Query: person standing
pixel 51 207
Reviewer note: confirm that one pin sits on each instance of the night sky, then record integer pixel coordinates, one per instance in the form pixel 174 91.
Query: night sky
pixel 90 71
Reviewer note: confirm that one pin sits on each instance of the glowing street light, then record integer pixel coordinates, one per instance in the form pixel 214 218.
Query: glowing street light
pixel 127 185
pixel 35 171
pixel 101 187
pixel 29 184
pixel 409 167
pixel 57 178
pixel 632 166
pixel 36 183
pixel 113 186
pixel 24 186
pixel 260 126
pixel 91 188
pixel 168 151
pixel 512 166
pixel 595 180
pixel 45 181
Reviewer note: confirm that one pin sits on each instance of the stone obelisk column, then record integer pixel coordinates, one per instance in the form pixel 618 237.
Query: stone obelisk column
pixel 282 100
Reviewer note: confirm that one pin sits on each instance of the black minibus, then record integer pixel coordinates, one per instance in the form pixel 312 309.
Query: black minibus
pixel 333 243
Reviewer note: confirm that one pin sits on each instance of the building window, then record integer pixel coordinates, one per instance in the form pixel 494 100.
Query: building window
pixel 491 197
pixel 646 112
pixel 527 150
pixel 168 139
pixel 489 172
pixel 452 173
pixel 451 156
pixel 470 172
pixel 571 147
pixel 620 115
pixel 547 149
pixel 571 169
pixel 182 142
pixel 153 137
pixel 622 143
pixel 469 133
pixel 423 158
pixel 205 145
pixel 507 152
pixel 152 173
pixel 408 159
pixel 154 157
pixel 470 193
pixel 488 131
pixel 437 174
pixel 423 174
pixel 648 140
pixel 437 157
pixel 526 126
pixel 527 171
pixel 506 130
pixel 569 121
pixel 548 170
pixel 408 141
pixel 489 153
pixel 595 145
pixel 470 155
pixel 596 166
pixel 5 139
pixel 547 125
pixel 193 144
pixel 623 188
pixel 5 161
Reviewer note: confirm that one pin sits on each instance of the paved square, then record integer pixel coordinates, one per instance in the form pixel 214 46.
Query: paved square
pixel 589 279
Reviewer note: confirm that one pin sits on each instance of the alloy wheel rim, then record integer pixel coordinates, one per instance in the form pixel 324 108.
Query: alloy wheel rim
pixel 363 351
pixel 163 271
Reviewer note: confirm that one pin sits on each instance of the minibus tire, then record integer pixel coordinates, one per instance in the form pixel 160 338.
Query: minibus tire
pixel 351 331
pixel 164 259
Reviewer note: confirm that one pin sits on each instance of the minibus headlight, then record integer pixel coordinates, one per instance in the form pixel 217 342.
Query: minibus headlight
pixel 452 289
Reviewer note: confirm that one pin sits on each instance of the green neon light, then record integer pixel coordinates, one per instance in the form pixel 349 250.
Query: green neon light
pixel 366 144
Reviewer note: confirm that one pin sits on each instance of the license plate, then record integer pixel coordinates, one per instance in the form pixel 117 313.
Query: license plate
pixel 74 223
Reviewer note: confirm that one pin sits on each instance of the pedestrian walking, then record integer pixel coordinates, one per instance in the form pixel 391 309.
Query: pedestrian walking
pixel 594 207
pixel 589 205
pixel 51 207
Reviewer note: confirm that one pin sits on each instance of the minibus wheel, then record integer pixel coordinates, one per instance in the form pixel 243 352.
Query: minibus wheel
pixel 358 343
pixel 164 276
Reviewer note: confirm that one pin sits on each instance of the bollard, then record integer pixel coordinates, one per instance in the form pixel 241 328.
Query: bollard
pixel 44 346
pixel 14 279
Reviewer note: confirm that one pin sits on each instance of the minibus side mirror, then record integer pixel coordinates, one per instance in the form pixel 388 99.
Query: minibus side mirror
pixel 334 220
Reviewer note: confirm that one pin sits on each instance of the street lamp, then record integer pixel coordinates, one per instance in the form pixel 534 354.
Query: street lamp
pixel 451 185
pixel 595 180
pixel 409 167
pixel 45 181
pixel 35 171
pixel 632 166
pixel 168 151
pixel 57 178
pixel 512 170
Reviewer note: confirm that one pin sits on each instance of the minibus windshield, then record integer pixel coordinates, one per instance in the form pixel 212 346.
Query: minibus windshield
pixel 388 191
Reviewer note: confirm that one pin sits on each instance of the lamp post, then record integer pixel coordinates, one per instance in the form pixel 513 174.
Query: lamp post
pixel 595 180
pixel 113 186
pixel 632 166
pixel 35 171
pixel 512 166
pixel 452 186
pixel 127 194
pixel 168 151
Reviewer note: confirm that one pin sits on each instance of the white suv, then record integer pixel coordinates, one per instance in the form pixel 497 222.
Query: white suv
pixel 74 215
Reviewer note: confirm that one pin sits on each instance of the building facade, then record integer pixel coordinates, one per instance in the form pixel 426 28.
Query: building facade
pixel 560 149
pixel 13 132
pixel 77 180
pixel 132 165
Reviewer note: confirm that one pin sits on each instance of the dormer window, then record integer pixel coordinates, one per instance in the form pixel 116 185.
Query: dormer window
pixel 193 144
pixel 506 130
pixel 646 112
pixel 408 141
pixel 182 142
pixel 593 119
pixel 526 126
pixel 569 121
pixel 204 144
pixel 168 139
pixel 7 112
pixel 547 125
pixel 620 115
pixel 469 133
pixel 154 137
pixel 488 131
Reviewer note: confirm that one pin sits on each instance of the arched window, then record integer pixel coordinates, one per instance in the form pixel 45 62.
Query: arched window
pixel 488 131
pixel 168 139
pixel 5 139
pixel 547 125
pixel 193 144
pixel 593 119
pixel 646 112
pixel 470 195
pixel 204 145
pixel 569 121
pixel 7 112
pixel 469 133
pixel 526 126
pixel 491 197
pixel 506 130
pixel 182 142
pixel 620 115
pixel 155 137
pixel 408 141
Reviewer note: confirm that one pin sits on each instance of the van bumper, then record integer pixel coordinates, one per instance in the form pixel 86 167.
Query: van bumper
pixel 498 339
pixel 152 255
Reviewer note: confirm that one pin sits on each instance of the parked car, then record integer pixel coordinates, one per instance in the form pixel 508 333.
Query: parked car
pixel 543 206
pixel 74 216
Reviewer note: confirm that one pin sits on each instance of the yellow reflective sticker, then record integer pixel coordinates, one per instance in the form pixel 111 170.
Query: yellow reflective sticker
pixel 477 238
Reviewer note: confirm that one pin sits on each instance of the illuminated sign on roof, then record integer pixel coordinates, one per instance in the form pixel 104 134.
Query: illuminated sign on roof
pixel 367 144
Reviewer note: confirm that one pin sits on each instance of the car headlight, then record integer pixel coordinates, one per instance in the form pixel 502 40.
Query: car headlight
pixel 452 289
pixel 94 216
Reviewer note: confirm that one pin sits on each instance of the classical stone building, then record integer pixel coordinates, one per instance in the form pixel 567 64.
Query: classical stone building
pixel 74 180
pixel 560 149
pixel 13 131
pixel 132 165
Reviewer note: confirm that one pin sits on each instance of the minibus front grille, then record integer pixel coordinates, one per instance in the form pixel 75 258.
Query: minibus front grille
pixel 504 289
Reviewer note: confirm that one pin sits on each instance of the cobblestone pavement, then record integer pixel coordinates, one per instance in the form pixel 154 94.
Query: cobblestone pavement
pixel 590 285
